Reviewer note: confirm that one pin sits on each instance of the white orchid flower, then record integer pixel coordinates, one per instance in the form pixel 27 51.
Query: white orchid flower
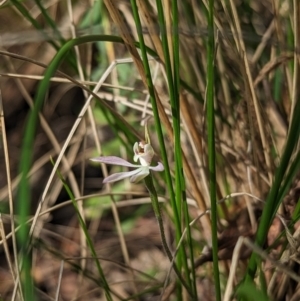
pixel 142 152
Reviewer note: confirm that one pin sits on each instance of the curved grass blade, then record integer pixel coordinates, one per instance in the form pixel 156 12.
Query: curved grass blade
pixel 275 195
pixel 24 195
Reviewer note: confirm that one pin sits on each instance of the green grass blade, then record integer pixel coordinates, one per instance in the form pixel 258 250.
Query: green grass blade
pixel 180 180
pixel 292 173
pixel 26 14
pixel 24 196
pixel 275 196
pixel 49 20
pixel 153 102
pixel 211 145
pixel 21 8
pixel 158 125
pixel 174 86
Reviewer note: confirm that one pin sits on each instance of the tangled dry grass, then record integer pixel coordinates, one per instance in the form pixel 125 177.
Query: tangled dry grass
pixel 255 93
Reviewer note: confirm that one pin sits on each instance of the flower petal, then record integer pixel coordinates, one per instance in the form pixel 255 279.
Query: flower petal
pixel 136 151
pixel 143 173
pixel 158 167
pixel 146 157
pixel 114 161
pixel 121 175
pixel 143 152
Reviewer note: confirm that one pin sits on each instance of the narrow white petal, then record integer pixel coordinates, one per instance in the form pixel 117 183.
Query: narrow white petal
pixel 114 161
pixel 158 167
pixel 120 176
pixel 143 160
pixel 136 148
pixel 143 173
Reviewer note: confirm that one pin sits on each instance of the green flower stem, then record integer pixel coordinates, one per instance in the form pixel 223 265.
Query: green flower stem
pixel 157 211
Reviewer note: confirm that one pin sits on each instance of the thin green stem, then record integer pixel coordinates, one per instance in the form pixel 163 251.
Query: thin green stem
pixel 49 20
pixel 211 145
pixel 22 9
pixel 174 87
pixel 182 255
pixel 180 180
pixel 153 102
pixel 157 211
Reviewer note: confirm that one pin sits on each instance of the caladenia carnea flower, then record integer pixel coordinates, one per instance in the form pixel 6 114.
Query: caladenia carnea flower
pixel 143 152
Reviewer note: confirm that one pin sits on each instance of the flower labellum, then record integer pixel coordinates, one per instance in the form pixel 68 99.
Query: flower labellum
pixel 142 152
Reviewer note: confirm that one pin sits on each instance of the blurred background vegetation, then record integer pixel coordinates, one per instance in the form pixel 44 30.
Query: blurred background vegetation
pixel 219 81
